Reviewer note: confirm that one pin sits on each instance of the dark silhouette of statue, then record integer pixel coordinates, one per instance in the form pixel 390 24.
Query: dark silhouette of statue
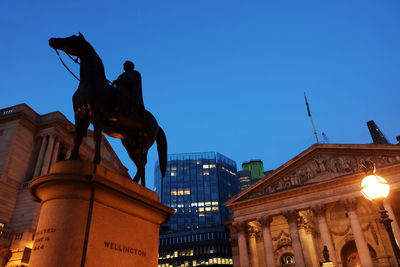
pixel 95 102
pixel 130 88
pixel 325 253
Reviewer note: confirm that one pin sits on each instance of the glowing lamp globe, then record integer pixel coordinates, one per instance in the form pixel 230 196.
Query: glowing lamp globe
pixel 374 187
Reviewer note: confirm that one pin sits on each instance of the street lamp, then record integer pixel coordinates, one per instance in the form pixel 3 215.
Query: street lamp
pixel 375 188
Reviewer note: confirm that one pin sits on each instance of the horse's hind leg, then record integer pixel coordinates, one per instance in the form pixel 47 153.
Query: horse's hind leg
pixel 139 157
pixel 81 126
pixel 130 147
pixel 140 162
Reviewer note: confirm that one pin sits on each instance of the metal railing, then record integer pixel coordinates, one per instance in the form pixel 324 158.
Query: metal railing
pixel 7 111
pixel 6 236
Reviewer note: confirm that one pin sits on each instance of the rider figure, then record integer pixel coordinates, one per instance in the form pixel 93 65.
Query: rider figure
pixel 130 93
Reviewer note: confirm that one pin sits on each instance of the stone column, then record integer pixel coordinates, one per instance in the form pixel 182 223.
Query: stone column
pixel 395 225
pixel 47 156
pixel 361 244
pixel 291 217
pixel 253 247
pixel 268 246
pixel 55 151
pixel 39 160
pixel 241 228
pixel 326 239
pixel 307 240
pixel 260 249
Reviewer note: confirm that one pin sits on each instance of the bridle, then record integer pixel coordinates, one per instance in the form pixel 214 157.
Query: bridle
pixel 76 60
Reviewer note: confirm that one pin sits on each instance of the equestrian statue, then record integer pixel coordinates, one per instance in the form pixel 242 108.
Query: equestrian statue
pixel 116 110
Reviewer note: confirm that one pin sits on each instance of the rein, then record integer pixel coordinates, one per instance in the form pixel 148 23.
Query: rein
pixel 74 60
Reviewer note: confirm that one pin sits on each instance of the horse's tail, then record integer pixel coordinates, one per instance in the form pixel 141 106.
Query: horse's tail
pixel 162 150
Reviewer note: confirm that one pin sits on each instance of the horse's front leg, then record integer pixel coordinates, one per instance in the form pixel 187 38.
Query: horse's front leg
pixel 97 138
pixel 81 126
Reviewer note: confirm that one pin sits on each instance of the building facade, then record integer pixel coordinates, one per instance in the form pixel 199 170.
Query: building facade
pixel 251 172
pixel 312 201
pixel 29 144
pixel 196 185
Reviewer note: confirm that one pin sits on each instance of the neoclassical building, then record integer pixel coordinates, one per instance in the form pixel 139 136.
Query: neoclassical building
pixel 312 201
pixel 29 144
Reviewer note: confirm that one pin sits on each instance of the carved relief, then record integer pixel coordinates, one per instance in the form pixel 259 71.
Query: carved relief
pixel 371 227
pixel 282 240
pixel 342 233
pixel 323 165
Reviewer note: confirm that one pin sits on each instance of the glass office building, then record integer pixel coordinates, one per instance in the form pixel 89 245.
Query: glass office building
pixel 196 185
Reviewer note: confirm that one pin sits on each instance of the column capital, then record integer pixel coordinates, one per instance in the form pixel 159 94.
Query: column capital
pixel 251 231
pixel 291 215
pixel 265 221
pixel 350 204
pixel 319 209
pixel 240 226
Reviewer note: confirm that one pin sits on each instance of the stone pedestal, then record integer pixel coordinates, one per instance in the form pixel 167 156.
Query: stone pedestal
pixel 95 219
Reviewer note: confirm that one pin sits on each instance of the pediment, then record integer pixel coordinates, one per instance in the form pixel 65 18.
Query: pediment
pixel 320 163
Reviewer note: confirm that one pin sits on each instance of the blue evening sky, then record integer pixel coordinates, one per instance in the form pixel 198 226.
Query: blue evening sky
pixel 225 76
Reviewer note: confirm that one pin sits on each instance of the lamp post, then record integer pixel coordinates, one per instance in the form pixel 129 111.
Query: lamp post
pixel 375 188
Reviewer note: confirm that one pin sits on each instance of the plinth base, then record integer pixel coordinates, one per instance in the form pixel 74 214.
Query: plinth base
pixel 95 219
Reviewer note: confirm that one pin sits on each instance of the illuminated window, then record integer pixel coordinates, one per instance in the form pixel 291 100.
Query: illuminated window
pixel 206 173
pixel 214 208
pixel 287 258
pixel 206 166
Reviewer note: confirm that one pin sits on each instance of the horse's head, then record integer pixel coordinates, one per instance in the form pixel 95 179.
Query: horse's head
pixel 73 45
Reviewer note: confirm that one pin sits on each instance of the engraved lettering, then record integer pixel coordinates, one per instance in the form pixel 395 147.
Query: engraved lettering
pixel 124 249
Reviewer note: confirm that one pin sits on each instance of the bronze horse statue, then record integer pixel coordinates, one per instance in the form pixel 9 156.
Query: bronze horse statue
pixel 95 102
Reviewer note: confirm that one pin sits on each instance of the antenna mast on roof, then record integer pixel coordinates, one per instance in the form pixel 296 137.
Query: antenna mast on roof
pixel 309 115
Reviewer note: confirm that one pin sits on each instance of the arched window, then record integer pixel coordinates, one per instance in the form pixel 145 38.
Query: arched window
pixel 287 259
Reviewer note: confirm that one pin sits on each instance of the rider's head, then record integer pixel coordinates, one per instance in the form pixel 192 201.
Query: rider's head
pixel 128 65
